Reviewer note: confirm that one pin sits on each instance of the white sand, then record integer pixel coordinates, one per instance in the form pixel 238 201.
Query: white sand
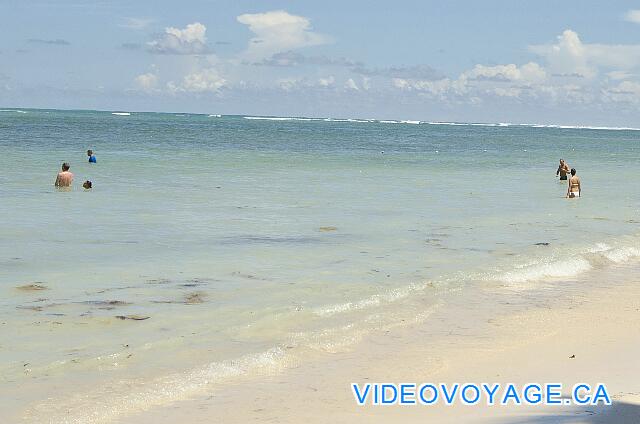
pixel 465 343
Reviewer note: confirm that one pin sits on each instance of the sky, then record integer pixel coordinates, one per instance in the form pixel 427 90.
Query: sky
pixel 562 62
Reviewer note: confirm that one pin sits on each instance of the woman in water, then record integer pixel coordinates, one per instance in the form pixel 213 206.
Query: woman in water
pixel 574 185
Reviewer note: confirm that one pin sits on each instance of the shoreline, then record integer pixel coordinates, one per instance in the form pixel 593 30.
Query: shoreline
pixel 460 343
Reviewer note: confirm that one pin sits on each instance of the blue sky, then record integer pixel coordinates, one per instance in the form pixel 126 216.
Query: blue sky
pixel 573 62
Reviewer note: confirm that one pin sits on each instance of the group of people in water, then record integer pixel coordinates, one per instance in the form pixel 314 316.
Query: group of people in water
pixel 65 177
pixel 573 189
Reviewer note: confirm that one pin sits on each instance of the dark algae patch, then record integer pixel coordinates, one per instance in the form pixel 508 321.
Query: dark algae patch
pixel 37 286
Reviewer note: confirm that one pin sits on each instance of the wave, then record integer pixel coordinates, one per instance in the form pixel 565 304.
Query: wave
pixel 13 110
pixel 121 113
pixel 128 397
pixel 551 269
pixel 525 275
pixel 215 116
pixel 580 127
pixel 374 300
pixel 280 118
pixel 340 330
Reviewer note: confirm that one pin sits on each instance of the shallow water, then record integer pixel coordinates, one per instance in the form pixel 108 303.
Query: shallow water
pixel 243 239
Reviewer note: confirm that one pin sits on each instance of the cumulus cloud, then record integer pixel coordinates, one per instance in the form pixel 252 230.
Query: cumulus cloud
pixel 570 56
pixel 619 75
pixel 500 80
pixel 190 40
pixel 201 81
pixel 56 42
pixel 632 16
pixel 351 85
pixel 528 73
pixel 278 31
pixel 329 82
pixel 147 82
pixel 625 92
pixel 442 88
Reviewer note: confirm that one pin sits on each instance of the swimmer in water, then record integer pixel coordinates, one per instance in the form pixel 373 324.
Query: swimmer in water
pixel 92 157
pixel 574 189
pixel 563 169
pixel 87 185
pixel 64 178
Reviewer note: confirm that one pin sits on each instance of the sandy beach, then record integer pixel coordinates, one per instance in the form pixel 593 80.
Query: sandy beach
pixel 588 335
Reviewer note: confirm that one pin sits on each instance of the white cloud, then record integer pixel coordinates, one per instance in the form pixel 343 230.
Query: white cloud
pixel 619 75
pixel 625 92
pixel 632 16
pixel 278 31
pixel 571 57
pixel 443 88
pixel 288 84
pixel 326 82
pixel 147 82
pixel 136 23
pixel 200 81
pixel 190 40
pixel 530 72
pixel 351 85
pixel 479 82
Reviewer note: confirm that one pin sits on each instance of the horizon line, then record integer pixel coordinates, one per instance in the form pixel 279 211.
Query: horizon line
pixel 336 119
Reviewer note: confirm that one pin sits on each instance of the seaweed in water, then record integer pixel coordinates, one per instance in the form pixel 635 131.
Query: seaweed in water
pixel 132 317
pixel 194 298
pixel 33 287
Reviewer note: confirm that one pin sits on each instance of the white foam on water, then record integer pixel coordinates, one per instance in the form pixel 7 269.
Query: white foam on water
pixel 622 254
pixel 279 118
pixel 121 113
pixel 215 116
pixel 374 300
pixel 563 268
pixel 454 124
pixel 580 127
pixel 127 397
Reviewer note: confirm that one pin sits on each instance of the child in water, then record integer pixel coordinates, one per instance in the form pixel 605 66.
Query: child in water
pixel 87 185
pixel 92 157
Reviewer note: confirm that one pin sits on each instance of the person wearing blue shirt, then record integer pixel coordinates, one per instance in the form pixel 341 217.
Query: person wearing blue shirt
pixel 92 158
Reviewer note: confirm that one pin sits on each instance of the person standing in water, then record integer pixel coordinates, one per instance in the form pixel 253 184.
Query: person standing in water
pixel 92 157
pixel 574 190
pixel 563 169
pixel 64 178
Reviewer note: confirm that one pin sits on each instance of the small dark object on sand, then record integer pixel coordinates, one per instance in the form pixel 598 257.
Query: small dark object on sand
pixel 542 244
pixel 572 356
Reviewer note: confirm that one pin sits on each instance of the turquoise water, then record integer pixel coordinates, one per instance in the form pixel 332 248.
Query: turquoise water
pixel 255 243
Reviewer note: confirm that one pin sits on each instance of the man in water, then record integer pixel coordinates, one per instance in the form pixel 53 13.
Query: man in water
pixel 563 169
pixel 92 157
pixel 574 189
pixel 64 178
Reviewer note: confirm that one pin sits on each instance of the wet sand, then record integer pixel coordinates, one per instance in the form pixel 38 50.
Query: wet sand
pixel 589 334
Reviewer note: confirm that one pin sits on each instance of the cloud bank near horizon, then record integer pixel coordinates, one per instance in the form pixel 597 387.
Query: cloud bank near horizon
pixel 285 58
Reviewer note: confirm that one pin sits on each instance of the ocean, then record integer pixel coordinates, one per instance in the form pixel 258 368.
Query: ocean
pixel 217 247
